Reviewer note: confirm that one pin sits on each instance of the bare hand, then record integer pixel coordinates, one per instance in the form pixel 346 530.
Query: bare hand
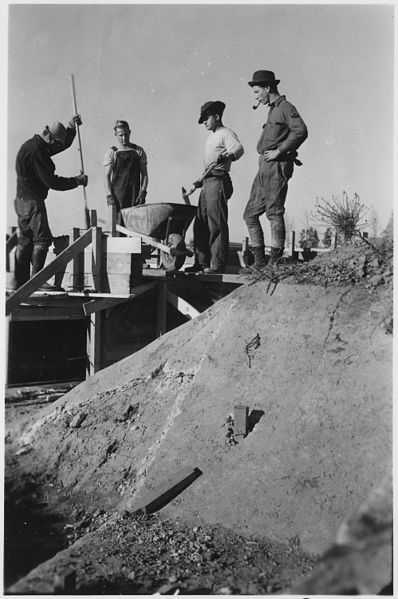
pixel 75 120
pixel 82 180
pixel 270 155
pixel 223 157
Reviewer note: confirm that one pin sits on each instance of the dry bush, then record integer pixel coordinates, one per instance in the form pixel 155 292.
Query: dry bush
pixel 347 216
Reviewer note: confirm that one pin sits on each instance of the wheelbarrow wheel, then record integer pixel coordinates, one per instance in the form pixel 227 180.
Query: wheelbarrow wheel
pixel 175 241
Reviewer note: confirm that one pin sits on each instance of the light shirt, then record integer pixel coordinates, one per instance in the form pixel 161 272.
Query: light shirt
pixel 219 140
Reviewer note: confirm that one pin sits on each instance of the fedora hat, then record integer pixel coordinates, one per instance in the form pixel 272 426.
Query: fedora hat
pixel 263 78
pixel 211 107
pixel 57 130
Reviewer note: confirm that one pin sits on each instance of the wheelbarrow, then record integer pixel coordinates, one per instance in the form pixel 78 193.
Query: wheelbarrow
pixel 162 226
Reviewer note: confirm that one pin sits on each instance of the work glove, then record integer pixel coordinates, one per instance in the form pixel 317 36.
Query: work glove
pixel 75 120
pixel 141 197
pixel 81 180
pixel 110 200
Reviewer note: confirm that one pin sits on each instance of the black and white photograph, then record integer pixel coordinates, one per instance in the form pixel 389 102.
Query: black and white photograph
pixel 198 280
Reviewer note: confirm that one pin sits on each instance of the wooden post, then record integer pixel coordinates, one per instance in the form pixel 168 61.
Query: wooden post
pixel 241 417
pixel 96 257
pixel 161 325
pixel 94 361
pixel 111 223
pixel 293 243
pixel 77 264
pixel 93 218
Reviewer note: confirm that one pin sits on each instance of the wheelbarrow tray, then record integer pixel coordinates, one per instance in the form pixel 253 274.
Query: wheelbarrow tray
pixel 155 220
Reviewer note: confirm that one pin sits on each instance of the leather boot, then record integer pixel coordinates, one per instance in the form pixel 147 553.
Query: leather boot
pixel 276 255
pixel 21 266
pixel 38 260
pixel 259 261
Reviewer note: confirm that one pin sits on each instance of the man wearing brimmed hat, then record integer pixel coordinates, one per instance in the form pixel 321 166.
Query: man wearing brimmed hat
pixel 126 172
pixel 35 176
pixel 282 135
pixel 211 234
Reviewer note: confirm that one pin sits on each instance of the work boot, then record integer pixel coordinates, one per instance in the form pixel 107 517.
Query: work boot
pixel 259 261
pixel 21 266
pixel 276 255
pixel 38 260
pixel 195 268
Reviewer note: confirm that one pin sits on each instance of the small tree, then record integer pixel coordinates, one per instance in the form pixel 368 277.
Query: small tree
pixel 347 215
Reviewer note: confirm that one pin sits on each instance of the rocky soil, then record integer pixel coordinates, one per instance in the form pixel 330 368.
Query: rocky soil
pixel 264 510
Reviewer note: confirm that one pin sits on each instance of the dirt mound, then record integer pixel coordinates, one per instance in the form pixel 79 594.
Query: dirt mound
pixel 319 382
pixel 313 363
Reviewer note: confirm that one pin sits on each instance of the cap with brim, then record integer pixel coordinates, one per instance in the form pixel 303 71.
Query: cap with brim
pixel 211 107
pixel 58 131
pixel 263 78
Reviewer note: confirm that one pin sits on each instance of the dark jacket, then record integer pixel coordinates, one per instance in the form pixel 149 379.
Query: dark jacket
pixel 36 170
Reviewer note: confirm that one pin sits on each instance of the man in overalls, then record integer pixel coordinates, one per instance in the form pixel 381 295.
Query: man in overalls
pixel 126 174
pixel 282 135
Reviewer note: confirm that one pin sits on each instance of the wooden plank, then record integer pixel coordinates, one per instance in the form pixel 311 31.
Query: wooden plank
pixel 97 305
pixel 96 257
pixel 123 245
pixel 167 491
pixel 161 320
pixel 48 271
pixel 146 238
pixel 182 305
pixel 36 314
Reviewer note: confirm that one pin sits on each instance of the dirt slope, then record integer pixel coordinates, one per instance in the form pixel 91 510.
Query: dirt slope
pixel 320 379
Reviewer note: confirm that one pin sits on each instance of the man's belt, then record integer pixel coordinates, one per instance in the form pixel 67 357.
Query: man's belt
pixel 289 156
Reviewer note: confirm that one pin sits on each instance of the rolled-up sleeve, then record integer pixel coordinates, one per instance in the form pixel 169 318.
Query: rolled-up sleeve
pixel 298 131
pixel 233 145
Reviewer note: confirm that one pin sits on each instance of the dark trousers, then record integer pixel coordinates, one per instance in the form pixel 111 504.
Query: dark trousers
pixel 268 194
pixel 211 234
pixel 32 223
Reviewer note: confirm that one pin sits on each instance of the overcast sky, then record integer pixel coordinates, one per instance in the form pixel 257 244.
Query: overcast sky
pixel 155 65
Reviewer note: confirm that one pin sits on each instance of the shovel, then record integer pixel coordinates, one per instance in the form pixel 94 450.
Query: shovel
pixel 186 194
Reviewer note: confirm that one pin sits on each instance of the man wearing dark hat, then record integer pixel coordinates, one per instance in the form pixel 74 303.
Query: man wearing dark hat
pixel 35 176
pixel 282 135
pixel 211 234
pixel 126 173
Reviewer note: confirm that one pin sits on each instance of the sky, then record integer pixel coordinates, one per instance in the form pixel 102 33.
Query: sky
pixel 155 65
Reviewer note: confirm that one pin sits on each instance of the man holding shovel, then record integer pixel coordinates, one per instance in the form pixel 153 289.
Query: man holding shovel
pixel 211 235
pixel 35 177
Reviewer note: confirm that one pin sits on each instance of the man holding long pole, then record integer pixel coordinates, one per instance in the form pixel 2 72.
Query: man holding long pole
pixel 35 177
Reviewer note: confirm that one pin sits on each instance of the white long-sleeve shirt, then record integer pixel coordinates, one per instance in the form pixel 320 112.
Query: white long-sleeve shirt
pixel 218 141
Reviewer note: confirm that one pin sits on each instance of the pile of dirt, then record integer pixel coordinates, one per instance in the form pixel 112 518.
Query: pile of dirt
pixel 313 365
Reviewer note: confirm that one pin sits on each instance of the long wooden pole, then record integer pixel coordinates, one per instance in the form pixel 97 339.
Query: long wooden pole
pixel 86 212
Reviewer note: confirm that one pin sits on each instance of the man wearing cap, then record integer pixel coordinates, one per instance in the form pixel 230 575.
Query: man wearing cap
pixel 211 234
pixel 35 176
pixel 282 135
pixel 126 173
